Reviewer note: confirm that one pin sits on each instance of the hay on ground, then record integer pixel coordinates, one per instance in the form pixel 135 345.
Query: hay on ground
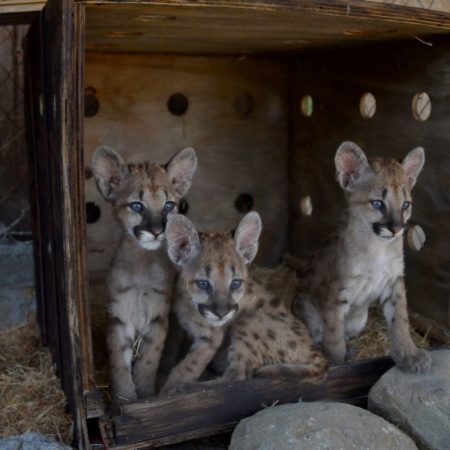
pixel 31 398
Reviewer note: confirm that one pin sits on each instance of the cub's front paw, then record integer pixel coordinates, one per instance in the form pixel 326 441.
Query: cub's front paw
pixel 418 362
pixel 170 390
pixel 335 355
pixel 145 391
pixel 125 396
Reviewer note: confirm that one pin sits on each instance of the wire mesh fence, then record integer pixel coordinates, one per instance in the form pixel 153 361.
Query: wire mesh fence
pixel 15 220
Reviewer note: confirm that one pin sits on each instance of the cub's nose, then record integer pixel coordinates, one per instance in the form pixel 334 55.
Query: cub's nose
pixel 222 311
pixel 396 229
pixel 156 231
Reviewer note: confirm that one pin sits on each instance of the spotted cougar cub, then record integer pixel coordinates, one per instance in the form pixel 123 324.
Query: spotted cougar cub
pixel 216 293
pixel 364 262
pixel 141 277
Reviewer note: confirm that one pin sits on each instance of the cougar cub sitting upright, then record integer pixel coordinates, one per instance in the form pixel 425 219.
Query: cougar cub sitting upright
pixel 364 261
pixel 141 277
pixel 216 294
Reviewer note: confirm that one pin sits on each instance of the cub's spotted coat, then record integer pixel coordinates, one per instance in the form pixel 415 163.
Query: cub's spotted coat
pixel 141 277
pixel 364 261
pixel 216 294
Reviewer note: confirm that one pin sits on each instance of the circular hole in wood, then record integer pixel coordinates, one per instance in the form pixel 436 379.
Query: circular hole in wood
pixel 91 102
pixel 88 173
pixel 93 212
pixel 307 105
pixel 306 206
pixel 416 237
pixel 244 104
pixel 421 106
pixel 367 105
pixel 244 203
pixel 183 207
pixel 177 104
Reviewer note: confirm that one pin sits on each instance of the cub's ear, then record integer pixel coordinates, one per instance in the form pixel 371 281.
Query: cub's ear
pixel 350 163
pixel 413 164
pixel 180 170
pixel 183 243
pixel 110 170
pixel 246 236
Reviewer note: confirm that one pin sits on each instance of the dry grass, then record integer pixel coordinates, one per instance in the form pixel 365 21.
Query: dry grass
pixel 30 395
pixel 374 340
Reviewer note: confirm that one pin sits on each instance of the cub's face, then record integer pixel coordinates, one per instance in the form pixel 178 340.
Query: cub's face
pixel 144 203
pixel 144 194
pixel 214 265
pixel 384 205
pixel 378 191
pixel 216 280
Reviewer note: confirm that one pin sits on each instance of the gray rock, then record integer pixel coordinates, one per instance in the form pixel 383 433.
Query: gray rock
pixel 31 441
pixel 419 404
pixel 318 426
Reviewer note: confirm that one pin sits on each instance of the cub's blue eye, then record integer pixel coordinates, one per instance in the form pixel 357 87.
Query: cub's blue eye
pixel 235 284
pixel 377 204
pixel 202 284
pixel 136 207
pixel 406 205
pixel 168 206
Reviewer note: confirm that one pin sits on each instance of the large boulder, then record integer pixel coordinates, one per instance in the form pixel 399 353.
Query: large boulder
pixel 318 425
pixel 419 404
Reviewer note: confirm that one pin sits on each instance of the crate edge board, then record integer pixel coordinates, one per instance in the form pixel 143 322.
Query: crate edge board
pixel 235 27
pixel 206 411
pixel 361 8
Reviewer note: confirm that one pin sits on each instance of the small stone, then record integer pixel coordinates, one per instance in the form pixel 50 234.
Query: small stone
pixel 318 426
pixel 418 404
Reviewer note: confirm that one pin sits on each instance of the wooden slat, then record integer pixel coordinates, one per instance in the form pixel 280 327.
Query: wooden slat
pixel 251 26
pixel 63 31
pixel 18 12
pixel 212 410
pixel 393 74
pixel 39 185
pixel 435 5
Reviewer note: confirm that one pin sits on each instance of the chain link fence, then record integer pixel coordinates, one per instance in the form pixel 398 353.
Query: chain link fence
pixel 15 220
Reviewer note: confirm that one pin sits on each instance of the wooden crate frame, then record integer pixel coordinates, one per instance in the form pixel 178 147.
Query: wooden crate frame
pixel 55 55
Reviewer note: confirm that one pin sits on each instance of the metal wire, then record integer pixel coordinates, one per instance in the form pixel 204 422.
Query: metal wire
pixel 14 176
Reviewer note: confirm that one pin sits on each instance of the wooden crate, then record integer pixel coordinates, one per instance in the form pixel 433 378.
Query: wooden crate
pixel 277 52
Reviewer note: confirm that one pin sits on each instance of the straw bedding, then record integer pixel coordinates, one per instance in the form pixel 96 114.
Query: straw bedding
pixel 30 395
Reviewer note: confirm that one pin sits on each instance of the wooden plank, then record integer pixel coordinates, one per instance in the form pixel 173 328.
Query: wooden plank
pixel 16 12
pixel 435 5
pixel 393 74
pixel 248 27
pixel 63 30
pixel 38 160
pixel 210 410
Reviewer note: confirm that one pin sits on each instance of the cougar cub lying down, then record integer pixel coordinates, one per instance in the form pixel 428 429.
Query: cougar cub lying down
pixel 364 261
pixel 216 294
